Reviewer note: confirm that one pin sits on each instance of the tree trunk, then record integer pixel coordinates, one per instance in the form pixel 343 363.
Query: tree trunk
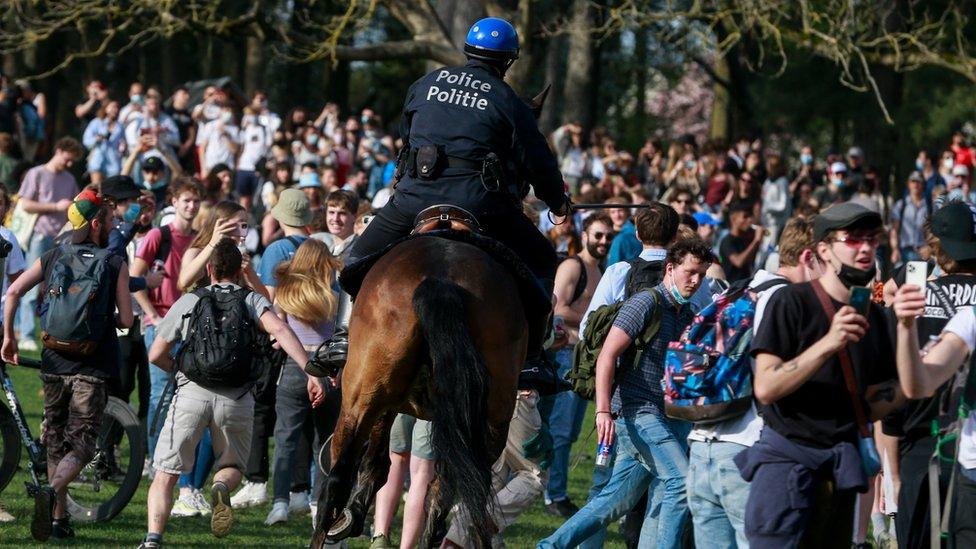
pixel 254 65
pixel 720 125
pixel 640 84
pixel 578 91
pixel 554 70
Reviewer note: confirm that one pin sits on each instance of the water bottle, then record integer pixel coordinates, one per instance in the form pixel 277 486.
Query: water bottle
pixel 603 453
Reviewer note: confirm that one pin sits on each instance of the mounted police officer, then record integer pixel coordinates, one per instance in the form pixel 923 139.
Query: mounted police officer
pixel 471 142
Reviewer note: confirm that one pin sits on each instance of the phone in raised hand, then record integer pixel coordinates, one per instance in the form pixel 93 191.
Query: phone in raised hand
pixel 860 299
pixel 916 273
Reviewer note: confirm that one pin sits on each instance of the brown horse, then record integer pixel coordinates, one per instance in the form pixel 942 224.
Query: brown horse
pixel 438 331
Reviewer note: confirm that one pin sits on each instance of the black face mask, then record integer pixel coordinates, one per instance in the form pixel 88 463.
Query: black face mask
pixel 852 276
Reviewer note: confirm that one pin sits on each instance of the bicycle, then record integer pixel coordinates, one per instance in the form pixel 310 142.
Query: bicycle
pixel 105 485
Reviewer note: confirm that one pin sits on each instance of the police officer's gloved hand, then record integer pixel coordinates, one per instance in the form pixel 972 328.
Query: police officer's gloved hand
pixel 565 208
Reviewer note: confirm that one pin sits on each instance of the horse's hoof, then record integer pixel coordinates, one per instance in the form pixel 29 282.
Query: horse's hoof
pixel 318 539
pixel 341 528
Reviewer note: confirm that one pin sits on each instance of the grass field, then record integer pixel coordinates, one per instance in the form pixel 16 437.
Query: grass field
pixel 127 529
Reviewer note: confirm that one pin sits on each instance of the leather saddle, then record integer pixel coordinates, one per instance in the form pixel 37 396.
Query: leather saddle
pixel 441 217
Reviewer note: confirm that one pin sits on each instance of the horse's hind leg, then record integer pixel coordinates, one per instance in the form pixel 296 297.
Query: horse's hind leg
pixel 375 467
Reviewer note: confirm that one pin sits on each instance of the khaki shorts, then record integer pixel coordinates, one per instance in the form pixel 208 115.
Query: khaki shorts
pixel 194 409
pixel 410 435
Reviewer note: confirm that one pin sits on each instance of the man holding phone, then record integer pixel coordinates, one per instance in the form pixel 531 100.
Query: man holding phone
pixel 824 370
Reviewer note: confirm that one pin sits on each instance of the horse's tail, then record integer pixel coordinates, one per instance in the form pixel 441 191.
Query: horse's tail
pixel 459 405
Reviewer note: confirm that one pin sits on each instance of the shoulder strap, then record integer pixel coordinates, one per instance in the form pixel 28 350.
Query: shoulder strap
pixel 581 281
pixel 845 362
pixel 165 242
pixel 944 300
pixel 295 241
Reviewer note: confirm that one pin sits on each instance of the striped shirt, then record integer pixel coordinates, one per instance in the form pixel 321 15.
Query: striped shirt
pixel 639 389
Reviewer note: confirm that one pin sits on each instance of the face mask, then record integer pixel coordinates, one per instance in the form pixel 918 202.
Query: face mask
pixel 839 181
pixel 132 213
pixel 852 276
pixel 919 165
pixel 136 98
pixel 689 164
pixel 312 140
pixel 948 163
pixel 806 159
pixel 676 295
pixel 227 117
pixel 364 119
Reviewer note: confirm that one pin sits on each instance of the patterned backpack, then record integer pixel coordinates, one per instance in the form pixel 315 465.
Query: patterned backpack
pixel 708 371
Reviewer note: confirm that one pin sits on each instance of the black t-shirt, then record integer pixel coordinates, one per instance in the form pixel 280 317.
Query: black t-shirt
pixel 915 419
pixel 183 121
pixel 819 413
pixel 104 362
pixel 730 246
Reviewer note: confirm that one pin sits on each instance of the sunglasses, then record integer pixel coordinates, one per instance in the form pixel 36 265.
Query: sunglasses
pixel 600 235
pixel 854 241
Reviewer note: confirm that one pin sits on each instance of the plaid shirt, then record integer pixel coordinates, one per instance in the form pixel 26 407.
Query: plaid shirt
pixel 639 389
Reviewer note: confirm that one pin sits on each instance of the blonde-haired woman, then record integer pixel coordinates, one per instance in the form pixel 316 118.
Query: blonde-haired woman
pixel 307 301
pixel 226 219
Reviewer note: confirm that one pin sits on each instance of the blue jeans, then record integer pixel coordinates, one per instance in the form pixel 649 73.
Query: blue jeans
pixel 662 447
pixel 628 480
pixel 565 423
pixel 28 304
pixel 158 383
pixel 717 494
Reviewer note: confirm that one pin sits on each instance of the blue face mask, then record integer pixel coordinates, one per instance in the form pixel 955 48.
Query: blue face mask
pixel 676 295
pixel 132 213
pixel 839 181
pixel 806 159
pixel 919 165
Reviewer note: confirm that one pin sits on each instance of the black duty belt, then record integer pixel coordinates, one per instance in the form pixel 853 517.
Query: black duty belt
pixel 446 161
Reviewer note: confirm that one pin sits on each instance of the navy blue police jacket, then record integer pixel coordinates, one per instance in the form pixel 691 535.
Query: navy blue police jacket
pixel 469 112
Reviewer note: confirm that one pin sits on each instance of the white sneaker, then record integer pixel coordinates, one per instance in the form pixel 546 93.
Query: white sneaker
pixel 298 503
pixel 27 345
pixel 201 503
pixel 250 494
pixel 279 513
pixel 185 507
pixel 5 516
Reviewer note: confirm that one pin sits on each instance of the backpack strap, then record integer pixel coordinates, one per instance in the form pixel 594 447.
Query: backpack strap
pixel 295 241
pixel 844 358
pixel 165 243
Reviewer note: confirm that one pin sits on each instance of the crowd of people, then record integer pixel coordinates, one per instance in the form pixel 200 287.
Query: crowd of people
pixel 188 207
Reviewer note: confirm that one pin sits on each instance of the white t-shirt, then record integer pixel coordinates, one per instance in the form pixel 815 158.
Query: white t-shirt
pixel 963 324
pixel 255 142
pixel 15 262
pixel 216 149
pixel 744 429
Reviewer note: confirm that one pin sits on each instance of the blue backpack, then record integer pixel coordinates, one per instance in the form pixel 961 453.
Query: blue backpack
pixel 708 371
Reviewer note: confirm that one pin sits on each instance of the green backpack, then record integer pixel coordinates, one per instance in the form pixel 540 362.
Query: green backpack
pixel 598 324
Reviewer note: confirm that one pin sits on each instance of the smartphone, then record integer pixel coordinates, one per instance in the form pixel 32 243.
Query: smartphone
pixel 860 299
pixel 916 273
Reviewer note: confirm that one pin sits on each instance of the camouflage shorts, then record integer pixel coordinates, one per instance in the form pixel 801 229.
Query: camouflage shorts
pixel 73 407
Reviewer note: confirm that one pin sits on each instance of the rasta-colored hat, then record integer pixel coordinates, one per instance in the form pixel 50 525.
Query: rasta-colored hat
pixel 84 208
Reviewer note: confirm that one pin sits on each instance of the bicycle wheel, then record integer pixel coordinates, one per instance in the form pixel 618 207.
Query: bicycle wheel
pixel 107 483
pixel 9 446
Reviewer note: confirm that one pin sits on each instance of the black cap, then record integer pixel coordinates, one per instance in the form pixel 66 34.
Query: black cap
pixel 120 187
pixel 152 164
pixel 845 215
pixel 955 225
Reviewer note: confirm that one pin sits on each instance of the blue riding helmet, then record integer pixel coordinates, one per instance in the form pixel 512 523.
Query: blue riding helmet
pixel 492 39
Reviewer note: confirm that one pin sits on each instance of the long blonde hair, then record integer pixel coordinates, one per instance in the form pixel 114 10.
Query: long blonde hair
pixel 225 209
pixel 304 288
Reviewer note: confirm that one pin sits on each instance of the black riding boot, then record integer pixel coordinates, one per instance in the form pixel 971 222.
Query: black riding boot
pixel 541 371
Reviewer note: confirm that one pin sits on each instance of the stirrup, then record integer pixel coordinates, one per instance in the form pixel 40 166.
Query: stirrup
pixel 330 357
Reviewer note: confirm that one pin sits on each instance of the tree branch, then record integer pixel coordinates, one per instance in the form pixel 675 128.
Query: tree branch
pixel 405 49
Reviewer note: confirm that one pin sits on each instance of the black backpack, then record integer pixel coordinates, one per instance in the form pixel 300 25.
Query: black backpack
pixel 643 275
pixel 222 341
